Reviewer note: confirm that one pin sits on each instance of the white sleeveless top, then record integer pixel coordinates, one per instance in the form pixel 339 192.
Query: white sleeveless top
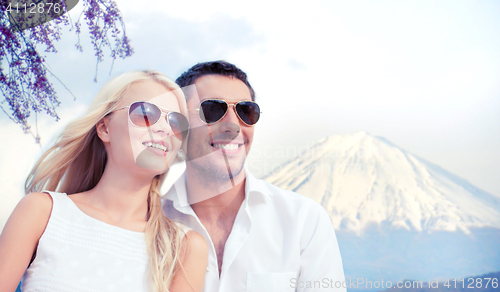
pixel 80 253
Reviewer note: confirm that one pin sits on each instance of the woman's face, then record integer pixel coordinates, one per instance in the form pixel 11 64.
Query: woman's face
pixel 152 147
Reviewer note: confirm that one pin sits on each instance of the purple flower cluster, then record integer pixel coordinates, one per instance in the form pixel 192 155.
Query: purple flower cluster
pixel 24 84
pixel 106 29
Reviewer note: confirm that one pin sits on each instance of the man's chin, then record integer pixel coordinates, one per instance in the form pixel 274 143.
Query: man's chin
pixel 218 171
pixel 235 170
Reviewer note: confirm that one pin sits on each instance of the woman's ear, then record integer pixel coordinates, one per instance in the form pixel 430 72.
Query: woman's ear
pixel 102 129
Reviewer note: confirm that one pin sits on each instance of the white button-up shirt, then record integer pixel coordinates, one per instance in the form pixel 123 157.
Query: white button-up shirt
pixel 280 241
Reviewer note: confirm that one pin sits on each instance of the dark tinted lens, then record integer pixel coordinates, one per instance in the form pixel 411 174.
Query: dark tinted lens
pixel 212 110
pixel 179 124
pixel 144 114
pixel 248 111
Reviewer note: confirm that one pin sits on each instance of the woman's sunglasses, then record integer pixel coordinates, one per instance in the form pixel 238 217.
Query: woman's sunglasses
pixel 145 114
pixel 213 110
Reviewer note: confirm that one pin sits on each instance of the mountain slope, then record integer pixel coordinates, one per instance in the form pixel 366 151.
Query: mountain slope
pixel 362 180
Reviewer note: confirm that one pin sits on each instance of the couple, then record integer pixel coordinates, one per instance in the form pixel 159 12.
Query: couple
pixel 224 230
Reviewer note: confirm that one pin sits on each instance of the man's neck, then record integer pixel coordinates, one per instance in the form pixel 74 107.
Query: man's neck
pixel 217 204
pixel 219 197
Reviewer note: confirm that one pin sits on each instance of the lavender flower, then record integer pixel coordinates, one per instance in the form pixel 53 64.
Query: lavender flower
pixel 24 81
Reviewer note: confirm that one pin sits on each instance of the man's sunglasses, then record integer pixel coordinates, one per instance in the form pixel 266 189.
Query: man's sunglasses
pixel 145 114
pixel 213 110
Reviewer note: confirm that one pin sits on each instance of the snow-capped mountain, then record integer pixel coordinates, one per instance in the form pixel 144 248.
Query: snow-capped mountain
pixel 363 180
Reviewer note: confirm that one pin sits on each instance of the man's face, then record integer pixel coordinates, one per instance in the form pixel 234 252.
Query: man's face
pixel 218 148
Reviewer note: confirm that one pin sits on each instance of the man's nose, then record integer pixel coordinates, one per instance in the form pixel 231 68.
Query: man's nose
pixel 230 123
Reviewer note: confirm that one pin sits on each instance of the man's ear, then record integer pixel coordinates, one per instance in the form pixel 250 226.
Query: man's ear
pixel 184 146
pixel 102 129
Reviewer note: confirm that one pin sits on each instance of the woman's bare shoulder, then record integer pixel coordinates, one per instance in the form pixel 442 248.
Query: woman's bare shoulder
pixel 20 235
pixel 33 211
pixel 193 264
pixel 196 245
pixel 41 202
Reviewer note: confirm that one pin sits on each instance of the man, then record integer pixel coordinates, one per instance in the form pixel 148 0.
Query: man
pixel 260 237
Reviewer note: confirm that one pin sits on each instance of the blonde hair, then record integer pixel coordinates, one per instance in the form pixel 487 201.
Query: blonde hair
pixel 76 163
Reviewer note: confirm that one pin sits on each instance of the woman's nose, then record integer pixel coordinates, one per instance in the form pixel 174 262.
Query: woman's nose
pixel 162 125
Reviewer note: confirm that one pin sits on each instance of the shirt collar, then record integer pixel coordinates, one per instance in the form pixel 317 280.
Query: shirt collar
pixel 178 194
pixel 255 189
pixel 255 192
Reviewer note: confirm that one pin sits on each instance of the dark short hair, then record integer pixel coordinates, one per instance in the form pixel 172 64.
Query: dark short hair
pixel 210 68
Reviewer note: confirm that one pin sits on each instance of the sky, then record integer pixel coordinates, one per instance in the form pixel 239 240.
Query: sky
pixel 422 74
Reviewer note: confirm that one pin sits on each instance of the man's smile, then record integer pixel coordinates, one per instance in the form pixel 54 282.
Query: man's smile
pixel 229 147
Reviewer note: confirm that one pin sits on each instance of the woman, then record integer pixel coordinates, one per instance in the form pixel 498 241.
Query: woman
pixel 104 230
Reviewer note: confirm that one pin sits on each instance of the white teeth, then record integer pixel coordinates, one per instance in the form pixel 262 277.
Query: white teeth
pixel 155 145
pixel 227 146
